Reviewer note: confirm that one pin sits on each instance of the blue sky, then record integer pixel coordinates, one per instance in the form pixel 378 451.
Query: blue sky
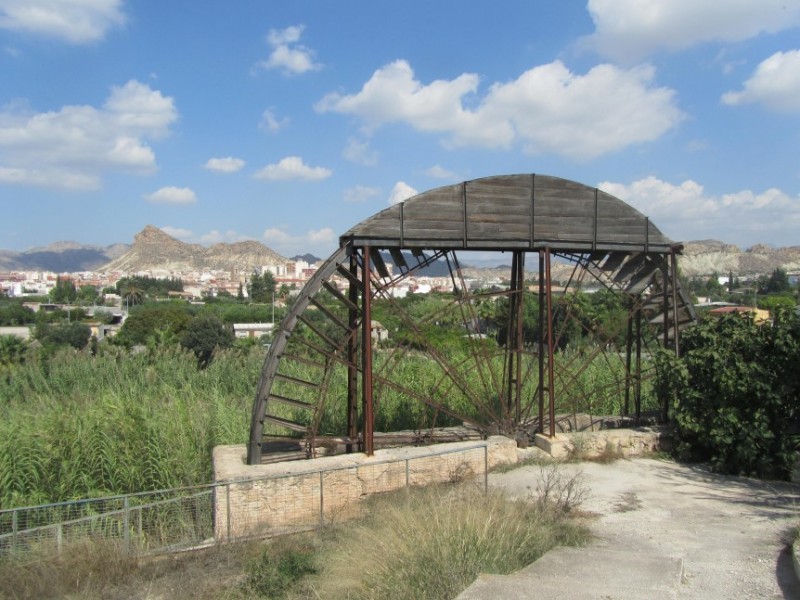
pixel 289 122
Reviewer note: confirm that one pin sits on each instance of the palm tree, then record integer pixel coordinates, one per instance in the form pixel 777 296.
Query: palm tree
pixel 132 294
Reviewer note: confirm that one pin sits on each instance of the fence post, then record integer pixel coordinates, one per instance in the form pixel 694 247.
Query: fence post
pixel 14 530
pixel 127 522
pixel 59 538
pixel 408 479
pixel 321 501
pixel 486 469
pixel 228 508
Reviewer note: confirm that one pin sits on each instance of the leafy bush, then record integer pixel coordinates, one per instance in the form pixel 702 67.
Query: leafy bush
pixel 734 393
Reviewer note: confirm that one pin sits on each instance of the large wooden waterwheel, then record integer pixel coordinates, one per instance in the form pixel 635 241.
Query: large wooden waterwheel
pixel 326 380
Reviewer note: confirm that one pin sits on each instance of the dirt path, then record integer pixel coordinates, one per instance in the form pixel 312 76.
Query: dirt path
pixel 730 534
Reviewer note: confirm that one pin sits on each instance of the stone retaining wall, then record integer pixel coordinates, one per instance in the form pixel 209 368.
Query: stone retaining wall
pixel 263 499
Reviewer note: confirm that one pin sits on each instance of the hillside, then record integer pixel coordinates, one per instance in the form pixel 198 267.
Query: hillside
pixel 61 257
pixel 710 256
pixel 154 250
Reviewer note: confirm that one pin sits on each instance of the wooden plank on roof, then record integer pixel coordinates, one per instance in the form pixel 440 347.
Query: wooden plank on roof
pixel 499 230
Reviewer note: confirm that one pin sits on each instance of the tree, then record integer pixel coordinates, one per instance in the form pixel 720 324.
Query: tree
pixel 145 320
pixel 778 282
pixel 14 314
pixel 204 335
pixel 64 291
pixel 132 294
pixel 12 350
pixel 87 294
pixel 255 289
pixel 63 334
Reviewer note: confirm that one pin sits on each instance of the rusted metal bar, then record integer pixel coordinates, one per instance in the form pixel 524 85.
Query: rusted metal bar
pixel 675 324
pixel 550 353
pixel 628 360
pixel 520 341
pixel 366 353
pixel 540 390
pixel 638 380
pixel 352 357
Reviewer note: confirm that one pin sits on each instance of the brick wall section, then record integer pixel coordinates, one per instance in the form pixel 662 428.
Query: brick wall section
pixel 262 499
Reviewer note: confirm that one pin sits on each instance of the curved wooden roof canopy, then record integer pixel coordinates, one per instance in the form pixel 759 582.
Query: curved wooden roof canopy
pixel 513 212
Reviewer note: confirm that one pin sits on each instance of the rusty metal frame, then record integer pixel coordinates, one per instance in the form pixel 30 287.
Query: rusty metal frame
pixel 341 337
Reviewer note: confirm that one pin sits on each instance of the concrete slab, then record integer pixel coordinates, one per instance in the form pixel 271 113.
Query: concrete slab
pixel 583 573
pixel 730 535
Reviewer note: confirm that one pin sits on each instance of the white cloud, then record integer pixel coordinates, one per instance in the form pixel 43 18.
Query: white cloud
pixel 687 212
pixel 292 167
pixel 172 195
pixel 628 30
pixel 439 172
pixel 270 123
pixel 360 193
pixel 70 148
pixel 229 164
pixel 319 242
pixel 287 55
pixel 547 109
pixel 401 191
pixel 217 237
pixel 359 151
pixel 177 232
pixel 775 84
pixel 72 21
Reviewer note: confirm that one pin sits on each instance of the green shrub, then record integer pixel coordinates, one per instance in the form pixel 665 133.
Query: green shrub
pixel 734 393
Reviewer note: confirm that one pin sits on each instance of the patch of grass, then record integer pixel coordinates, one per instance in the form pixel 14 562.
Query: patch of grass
pixel 280 567
pixel 432 543
pixel 102 570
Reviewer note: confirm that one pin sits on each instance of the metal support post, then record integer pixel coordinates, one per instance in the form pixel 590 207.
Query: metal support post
pixel 366 352
pixel 540 390
pixel 550 352
pixel 352 358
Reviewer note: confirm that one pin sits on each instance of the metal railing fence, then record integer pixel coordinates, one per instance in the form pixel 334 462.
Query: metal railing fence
pixel 182 518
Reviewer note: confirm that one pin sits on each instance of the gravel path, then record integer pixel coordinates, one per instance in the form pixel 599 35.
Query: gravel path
pixel 731 533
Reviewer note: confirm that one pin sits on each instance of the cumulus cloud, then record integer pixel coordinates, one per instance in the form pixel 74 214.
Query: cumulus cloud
pixel 292 167
pixel 360 152
pixel 400 192
pixel 270 123
pixel 72 21
pixel 70 148
pixel 320 242
pixel 229 164
pixel 360 193
pixel 287 55
pixel 775 84
pixel 686 211
pixel 172 195
pixel 546 109
pixel 628 30
pixel 177 232
pixel 439 172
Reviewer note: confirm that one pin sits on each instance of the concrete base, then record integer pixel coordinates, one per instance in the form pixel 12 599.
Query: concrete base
pixel 559 446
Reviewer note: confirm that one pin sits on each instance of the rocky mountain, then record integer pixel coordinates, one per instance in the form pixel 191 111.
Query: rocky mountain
pixel 712 256
pixel 154 250
pixel 61 257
